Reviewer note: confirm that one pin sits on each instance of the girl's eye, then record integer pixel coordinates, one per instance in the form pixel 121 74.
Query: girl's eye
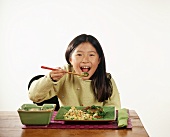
pixel 92 55
pixel 79 54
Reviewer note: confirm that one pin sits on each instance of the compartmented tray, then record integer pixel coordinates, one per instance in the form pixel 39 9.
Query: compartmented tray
pixel 32 114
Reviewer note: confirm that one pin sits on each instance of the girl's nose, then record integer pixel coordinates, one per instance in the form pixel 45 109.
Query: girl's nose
pixel 85 59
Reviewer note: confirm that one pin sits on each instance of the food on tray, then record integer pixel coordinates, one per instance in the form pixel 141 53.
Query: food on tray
pixel 75 114
pixel 42 109
pixel 96 111
pixel 88 113
pixel 37 109
pixel 34 109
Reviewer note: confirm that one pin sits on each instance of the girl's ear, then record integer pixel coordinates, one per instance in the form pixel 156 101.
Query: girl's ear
pixel 70 60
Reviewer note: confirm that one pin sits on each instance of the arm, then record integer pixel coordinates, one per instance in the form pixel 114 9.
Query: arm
pixel 114 100
pixel 42 89
pixel 47 86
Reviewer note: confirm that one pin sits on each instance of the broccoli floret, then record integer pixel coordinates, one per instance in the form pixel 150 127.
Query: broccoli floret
pixel 93 107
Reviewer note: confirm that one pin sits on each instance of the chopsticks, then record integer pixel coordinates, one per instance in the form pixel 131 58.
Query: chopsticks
pixel 82 75
pixel 44 67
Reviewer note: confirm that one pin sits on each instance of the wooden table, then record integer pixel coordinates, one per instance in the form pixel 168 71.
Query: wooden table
pixel 10 126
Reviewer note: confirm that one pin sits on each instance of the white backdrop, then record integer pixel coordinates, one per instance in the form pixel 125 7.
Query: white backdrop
pixel 134 34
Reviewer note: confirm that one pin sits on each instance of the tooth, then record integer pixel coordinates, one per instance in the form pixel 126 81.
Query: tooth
pixel 85 67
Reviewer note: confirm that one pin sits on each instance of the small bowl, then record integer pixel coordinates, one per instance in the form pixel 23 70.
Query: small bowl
pixel 32 114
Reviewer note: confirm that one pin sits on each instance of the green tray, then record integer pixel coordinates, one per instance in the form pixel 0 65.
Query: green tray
pixel 110 113
pixel 31 114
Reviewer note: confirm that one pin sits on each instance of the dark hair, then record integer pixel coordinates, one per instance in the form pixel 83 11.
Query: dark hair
pixel 101 82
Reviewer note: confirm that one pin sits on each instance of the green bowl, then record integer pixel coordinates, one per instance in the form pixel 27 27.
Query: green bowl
pixel 31 114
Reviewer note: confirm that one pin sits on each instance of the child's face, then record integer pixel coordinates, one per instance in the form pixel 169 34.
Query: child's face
pixel 85 59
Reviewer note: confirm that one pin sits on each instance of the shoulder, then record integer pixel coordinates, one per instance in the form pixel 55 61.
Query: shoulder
pixel 109 76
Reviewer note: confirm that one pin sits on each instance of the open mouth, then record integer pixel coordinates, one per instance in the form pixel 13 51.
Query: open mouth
pixel 85 69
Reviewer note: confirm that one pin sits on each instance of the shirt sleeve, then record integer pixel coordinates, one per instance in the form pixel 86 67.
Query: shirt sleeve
pixel 43 89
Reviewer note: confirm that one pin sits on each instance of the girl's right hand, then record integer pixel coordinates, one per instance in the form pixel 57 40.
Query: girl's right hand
pixel 57 74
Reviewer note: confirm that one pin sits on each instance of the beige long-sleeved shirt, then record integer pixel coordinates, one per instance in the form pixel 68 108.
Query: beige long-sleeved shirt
pixel 71 90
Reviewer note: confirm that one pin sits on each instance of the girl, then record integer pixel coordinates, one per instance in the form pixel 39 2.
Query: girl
pixel 83 54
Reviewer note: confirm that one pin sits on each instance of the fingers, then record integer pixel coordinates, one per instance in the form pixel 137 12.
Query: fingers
pixel 57 74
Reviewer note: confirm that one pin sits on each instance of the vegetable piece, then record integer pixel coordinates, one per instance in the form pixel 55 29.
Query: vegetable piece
pixel 85 74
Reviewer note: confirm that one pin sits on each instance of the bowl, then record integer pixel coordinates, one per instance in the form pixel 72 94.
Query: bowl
pixel 32 114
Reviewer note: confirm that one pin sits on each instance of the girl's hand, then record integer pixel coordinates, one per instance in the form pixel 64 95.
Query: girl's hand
pixel 57 74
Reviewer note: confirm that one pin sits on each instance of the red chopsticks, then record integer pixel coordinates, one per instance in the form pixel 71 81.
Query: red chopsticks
pixel 44 67
pixel 84 74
